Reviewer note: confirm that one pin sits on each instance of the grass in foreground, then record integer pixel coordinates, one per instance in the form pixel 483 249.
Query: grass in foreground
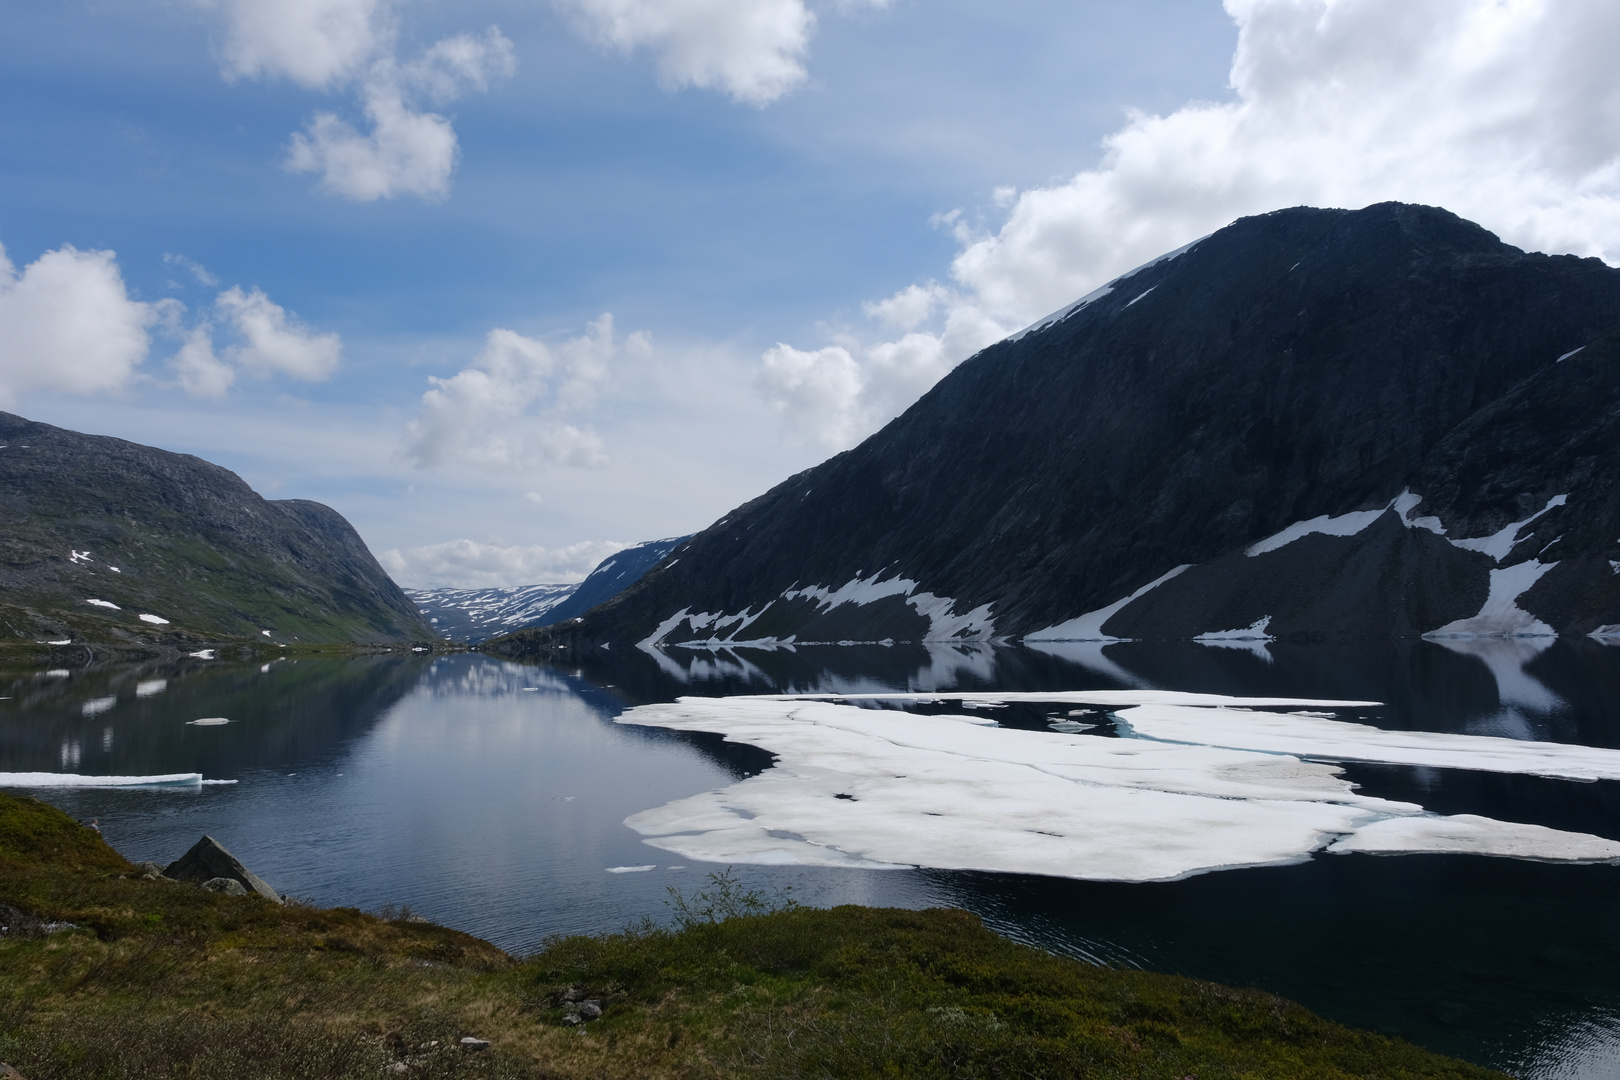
pixel 166 980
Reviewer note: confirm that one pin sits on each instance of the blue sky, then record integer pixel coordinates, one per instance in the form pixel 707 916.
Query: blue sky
pixel 798 215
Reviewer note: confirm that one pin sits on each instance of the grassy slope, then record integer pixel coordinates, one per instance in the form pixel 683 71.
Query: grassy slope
pixel 166 980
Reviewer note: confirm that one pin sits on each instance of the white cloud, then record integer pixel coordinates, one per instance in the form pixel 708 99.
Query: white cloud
pixel 315 43
pixel 467 564
pixel 751 49
pixel 1504 111
pixel 454 66
pixel 407 151
pixel 330 44
pixel 519 404
pixel 197 269
pixel 273 341
pixel 201 373
pixel 67 323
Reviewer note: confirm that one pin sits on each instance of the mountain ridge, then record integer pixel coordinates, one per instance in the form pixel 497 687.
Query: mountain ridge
pixel 108 540
pixel 1297 365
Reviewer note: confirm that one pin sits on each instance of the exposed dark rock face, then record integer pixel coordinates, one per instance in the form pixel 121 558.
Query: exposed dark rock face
pixel 207 862
pixel 1395 364
pixel 196 550
pixel 476 615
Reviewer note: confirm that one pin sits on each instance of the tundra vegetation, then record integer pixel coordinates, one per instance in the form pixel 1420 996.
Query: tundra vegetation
pixel 108 972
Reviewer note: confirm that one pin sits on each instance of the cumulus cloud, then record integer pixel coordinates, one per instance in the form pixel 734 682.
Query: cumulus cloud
pixel 67 323
pixel 467 564
pixel 520 404
pixel 201 373
pixel 332 44
pixel 406 150
pixel 752 50
pixel 315 43
pixel 1504 111
pixel 274 341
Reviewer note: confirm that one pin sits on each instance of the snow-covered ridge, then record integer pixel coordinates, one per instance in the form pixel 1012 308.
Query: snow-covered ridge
pixel 730 629
pixel 475 614
pixel 1216 788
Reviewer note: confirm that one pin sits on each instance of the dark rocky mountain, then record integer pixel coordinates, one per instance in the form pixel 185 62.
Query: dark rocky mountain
pixel 106 540
pixel 476 615
pixel 1312 424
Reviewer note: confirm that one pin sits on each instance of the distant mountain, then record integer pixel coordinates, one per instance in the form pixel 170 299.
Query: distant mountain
pixel 475 615
pixel 106 540
pixel 1312 425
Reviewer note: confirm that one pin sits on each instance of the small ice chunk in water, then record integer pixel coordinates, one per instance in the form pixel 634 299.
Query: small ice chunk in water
pixel 150 687
pixel 630 869
pixel 155 620
pixel 105 604
pixel 202 654
pixel 97 706
pixel 209 721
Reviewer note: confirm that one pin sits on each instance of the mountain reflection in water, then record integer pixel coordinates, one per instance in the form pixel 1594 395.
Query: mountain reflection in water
pixel 490 796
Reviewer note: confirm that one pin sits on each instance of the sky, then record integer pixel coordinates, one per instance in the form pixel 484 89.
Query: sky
pixel 514 283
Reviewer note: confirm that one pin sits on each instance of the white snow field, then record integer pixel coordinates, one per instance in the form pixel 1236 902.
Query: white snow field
pixel 885 789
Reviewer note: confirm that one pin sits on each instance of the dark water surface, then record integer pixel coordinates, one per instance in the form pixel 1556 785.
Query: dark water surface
pixel 490 796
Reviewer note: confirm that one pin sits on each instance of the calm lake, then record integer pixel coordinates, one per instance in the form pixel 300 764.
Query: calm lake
pixel 491 797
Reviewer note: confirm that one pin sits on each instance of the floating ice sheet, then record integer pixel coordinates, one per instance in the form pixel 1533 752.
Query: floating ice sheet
pixel 1338 740
pixel 884 789
pixel 74 780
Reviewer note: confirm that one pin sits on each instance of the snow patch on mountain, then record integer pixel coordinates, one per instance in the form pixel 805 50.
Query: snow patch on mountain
pixel 1088 627
pixel 1349 524
pixel 1500 543
pixel 1097 294
pixel 1501 615
pixel 945 623
pixel 1251 638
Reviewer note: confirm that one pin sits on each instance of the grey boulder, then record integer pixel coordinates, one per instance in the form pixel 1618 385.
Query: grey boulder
pixel 208 860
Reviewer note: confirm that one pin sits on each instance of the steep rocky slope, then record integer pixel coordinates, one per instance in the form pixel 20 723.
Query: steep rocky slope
pixel 108 540
pixel 1310 424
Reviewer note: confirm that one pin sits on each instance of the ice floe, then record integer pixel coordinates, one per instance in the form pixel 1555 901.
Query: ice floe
pixel 209 721
pixel 155 620
pixel 631 869
pixel 74 780
pixel 105 604
pixel 1468 834
pixel 1340 740
pixel 1216 788
pixel 202 654
pixel 97 706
